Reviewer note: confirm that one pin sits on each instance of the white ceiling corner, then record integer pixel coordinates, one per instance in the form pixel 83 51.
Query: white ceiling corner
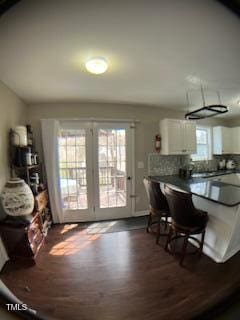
pixel 157 50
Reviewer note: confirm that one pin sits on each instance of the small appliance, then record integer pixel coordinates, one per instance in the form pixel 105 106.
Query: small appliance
pixel 222 164
pixel 185 173
pixel 22 156
pixel 230 165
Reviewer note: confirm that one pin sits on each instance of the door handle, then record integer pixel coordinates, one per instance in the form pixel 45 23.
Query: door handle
pixel 129 178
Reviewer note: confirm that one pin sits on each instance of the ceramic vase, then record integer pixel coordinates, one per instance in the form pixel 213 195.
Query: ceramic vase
pixel 17 198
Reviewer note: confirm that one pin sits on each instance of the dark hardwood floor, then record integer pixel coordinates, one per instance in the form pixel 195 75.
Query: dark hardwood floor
pixel 122 275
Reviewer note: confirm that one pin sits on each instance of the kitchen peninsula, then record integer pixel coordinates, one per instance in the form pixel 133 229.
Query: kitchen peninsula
pixel 222 202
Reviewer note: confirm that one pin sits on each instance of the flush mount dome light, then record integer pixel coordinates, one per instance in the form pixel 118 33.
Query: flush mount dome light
pixel 96 65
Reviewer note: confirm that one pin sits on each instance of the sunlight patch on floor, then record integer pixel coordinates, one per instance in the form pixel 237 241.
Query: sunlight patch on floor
pixel 81 239
pixel 100 227
pixel 72 245
pixel 68 227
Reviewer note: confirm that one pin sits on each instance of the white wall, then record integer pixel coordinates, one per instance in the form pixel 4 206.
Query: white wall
pixel 145 131
pixel 12 112
pixel 233 122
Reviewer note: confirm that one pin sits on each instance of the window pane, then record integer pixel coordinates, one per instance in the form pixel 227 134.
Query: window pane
pixel 202 150
pixel 72 163
pixel 203 144
pixel 202 136
pixel 112 167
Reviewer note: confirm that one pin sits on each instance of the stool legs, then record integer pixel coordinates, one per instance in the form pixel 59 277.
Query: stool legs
pixel 184 248
pixel 174 234
pixel 202 242
pixel 158 220
pixel 149 222
pixel 169 237
pixel 158 229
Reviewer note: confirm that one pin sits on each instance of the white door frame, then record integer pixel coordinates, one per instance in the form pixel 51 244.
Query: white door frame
pixel 82 214
pixel 113 212
pixel 91 153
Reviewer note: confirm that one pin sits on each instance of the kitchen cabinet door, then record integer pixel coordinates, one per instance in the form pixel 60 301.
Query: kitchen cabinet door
pixel 190 139
pixel 172 136
pixel 175 134
pixel 227 145
pixel 178 136
pixel 236 140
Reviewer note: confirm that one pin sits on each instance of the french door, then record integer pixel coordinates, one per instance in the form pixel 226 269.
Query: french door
pixel 95 170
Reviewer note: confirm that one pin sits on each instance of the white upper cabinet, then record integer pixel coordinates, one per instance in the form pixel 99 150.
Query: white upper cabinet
pixel 222 140
pixel 178 136
pixel 236 140
pixel 190 137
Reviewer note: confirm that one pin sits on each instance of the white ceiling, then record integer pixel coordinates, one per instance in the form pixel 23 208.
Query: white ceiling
pixel 157 50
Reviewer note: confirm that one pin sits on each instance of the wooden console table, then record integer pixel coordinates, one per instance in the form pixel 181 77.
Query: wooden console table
pixel 24 236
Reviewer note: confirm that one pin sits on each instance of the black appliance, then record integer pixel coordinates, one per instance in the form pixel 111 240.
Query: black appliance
pixel 21 156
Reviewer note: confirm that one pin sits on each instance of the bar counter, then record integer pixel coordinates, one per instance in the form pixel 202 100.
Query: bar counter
pixel 222 202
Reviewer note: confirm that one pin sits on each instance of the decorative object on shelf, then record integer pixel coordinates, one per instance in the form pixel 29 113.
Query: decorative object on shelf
pixel 24 160
pixel 19 136
pixel 29 135
pixel 17 198
pixel 206 111
pixel 35 181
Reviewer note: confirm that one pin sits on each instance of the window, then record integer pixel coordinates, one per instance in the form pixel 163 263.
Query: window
pixel 203 144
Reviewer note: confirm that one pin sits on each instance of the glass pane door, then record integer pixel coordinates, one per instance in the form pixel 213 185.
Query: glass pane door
pixel 112 168
pixel 75 180
pixel 72 162
pixel 94 170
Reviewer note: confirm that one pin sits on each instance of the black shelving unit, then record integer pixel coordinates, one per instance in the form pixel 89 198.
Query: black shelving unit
pixel 25 171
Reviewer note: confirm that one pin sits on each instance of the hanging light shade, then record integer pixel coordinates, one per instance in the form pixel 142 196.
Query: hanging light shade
pixel 17 198
pixel 206 111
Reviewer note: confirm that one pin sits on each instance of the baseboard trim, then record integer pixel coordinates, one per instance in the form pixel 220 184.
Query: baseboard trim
pixel 140 213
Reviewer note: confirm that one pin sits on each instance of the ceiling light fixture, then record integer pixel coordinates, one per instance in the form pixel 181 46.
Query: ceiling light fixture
pixel 96 65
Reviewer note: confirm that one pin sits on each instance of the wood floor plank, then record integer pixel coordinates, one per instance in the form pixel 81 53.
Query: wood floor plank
pixel 122 275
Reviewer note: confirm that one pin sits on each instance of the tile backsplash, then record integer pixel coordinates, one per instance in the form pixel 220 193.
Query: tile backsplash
pixel 159 165
pixel 164 165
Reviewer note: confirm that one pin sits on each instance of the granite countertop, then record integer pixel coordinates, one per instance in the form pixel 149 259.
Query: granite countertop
pixel 208 174
pixel 219 192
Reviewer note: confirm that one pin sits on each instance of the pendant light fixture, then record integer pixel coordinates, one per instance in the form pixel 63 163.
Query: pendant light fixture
pixel 206 111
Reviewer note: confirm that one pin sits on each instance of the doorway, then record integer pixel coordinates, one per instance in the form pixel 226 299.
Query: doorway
pixel 95 170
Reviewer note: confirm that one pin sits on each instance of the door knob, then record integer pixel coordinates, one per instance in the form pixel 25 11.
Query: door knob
pixel 129 178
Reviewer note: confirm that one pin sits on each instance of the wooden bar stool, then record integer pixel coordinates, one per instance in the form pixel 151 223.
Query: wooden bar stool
pixel 186 220
pixel 158 207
